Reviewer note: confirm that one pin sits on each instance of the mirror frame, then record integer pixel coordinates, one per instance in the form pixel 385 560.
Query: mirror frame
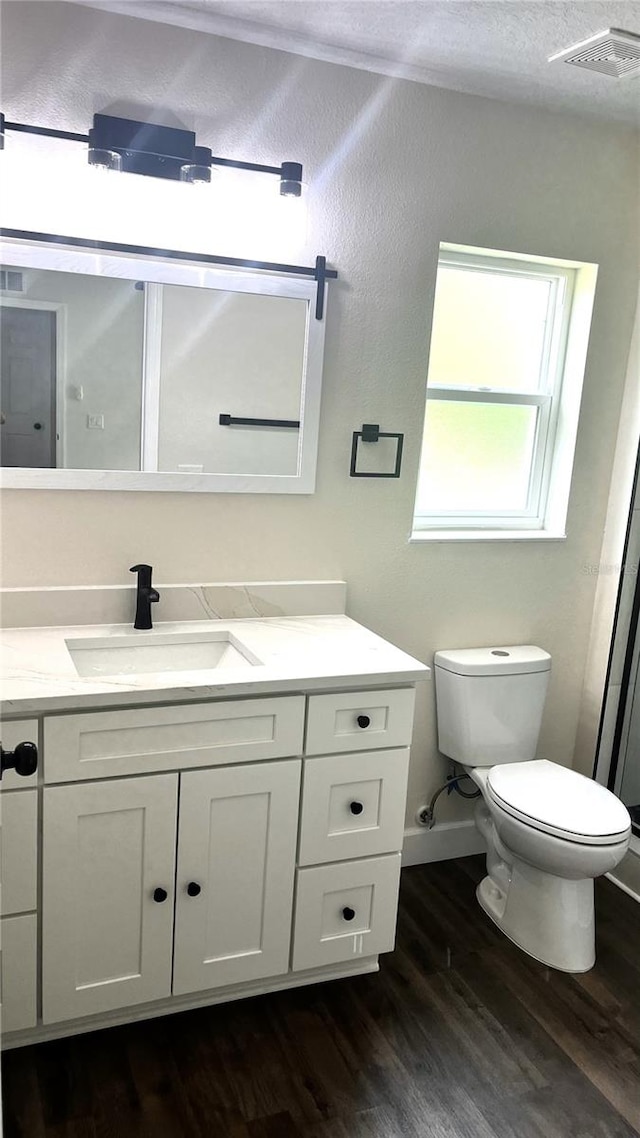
pixel 154 268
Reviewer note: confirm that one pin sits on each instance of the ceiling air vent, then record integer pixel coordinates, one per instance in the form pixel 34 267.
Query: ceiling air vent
pixel 11 281
pixel 614 52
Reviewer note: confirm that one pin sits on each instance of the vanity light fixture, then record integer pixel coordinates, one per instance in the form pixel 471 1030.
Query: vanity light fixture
pixel 134 147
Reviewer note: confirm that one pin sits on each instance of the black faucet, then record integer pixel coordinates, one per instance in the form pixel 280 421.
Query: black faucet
pixel 145 596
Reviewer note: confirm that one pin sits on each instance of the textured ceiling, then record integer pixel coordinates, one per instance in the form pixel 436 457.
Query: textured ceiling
pixel 497 48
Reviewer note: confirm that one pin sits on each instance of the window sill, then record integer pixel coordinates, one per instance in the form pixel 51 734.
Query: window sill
pixel 419 536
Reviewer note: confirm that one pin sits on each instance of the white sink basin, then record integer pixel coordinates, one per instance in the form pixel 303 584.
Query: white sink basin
pixel 144 653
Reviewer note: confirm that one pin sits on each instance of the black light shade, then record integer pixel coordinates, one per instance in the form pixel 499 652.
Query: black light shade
pixel 146 148
pixel 291 179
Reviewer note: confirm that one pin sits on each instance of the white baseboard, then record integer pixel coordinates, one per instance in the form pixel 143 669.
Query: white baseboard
pixel 445 840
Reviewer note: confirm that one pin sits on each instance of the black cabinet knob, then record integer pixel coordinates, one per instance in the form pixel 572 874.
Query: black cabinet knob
pixel 160 895
pixel 348 914
pixel 193 889
pixel 37 426
pixel 363 721
pixel 356 808
pixel 23 759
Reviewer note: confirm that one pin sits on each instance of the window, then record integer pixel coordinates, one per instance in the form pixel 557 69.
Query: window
pixel 508 345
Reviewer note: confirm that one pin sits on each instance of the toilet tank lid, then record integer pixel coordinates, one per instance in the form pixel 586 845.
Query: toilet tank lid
pixel 518 659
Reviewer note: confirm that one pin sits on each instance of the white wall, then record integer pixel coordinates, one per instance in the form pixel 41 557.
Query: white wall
pixel 396 168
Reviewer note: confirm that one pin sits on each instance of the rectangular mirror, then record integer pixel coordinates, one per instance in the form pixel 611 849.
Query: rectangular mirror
pixel 134 372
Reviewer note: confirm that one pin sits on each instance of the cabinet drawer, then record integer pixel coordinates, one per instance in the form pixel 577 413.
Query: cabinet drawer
pixel 351 721
pixel 19 731
pixel 345 910
pixel 18 972
pixel 353 805
pixel 18 851
pixel 104 744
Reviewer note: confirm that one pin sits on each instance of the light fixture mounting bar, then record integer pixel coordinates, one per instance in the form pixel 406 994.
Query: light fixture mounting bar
pixel 257 166
pixel 48 132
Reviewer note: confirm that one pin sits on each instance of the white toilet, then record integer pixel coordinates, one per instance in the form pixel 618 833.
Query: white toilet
pixel 549 831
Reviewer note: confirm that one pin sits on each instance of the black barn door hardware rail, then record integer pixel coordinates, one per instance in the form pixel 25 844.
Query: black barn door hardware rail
pixel 318 272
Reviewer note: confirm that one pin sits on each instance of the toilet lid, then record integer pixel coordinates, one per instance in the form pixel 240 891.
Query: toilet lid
pixel 559 801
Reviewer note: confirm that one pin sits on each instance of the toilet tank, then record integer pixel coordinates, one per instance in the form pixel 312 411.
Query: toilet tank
pixel 490 703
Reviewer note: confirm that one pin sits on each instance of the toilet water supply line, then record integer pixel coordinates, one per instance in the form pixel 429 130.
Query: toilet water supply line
pixel 426 815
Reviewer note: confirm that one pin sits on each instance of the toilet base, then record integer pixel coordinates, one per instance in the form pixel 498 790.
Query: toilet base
pixel 550 918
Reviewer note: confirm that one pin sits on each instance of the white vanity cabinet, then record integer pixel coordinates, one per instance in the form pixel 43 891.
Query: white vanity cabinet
pixel 195 852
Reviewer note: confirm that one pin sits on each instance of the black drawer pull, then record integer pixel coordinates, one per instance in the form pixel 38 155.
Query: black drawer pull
pixel 348 914
pixel 356 808
pixel 160 895
pixel 23 759
pixel 363 721
pixel 193 889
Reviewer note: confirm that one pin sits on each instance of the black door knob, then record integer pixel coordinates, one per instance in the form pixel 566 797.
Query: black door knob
pixel 37 426
pixel 348 914
pixel 160 895
pixel 23 759
pixel 356 808
pixel 363 721
pixel 193 889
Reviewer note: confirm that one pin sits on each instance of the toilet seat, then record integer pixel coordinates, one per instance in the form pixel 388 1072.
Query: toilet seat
pixel 558 801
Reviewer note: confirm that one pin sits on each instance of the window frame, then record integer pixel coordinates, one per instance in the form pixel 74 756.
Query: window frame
pixel 547 399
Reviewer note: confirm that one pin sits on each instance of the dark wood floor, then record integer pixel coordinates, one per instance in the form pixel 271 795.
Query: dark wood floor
pixel 459 1036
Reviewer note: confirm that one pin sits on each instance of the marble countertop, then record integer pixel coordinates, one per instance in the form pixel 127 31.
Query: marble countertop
pixel 295 653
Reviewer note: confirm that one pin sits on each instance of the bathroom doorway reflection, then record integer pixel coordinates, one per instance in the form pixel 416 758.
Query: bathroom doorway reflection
pixel 28 386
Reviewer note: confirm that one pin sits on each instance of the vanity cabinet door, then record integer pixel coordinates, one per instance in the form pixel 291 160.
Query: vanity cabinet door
pixel 18 851
pixel 18 972
pixel 108 887
pixel 234 882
